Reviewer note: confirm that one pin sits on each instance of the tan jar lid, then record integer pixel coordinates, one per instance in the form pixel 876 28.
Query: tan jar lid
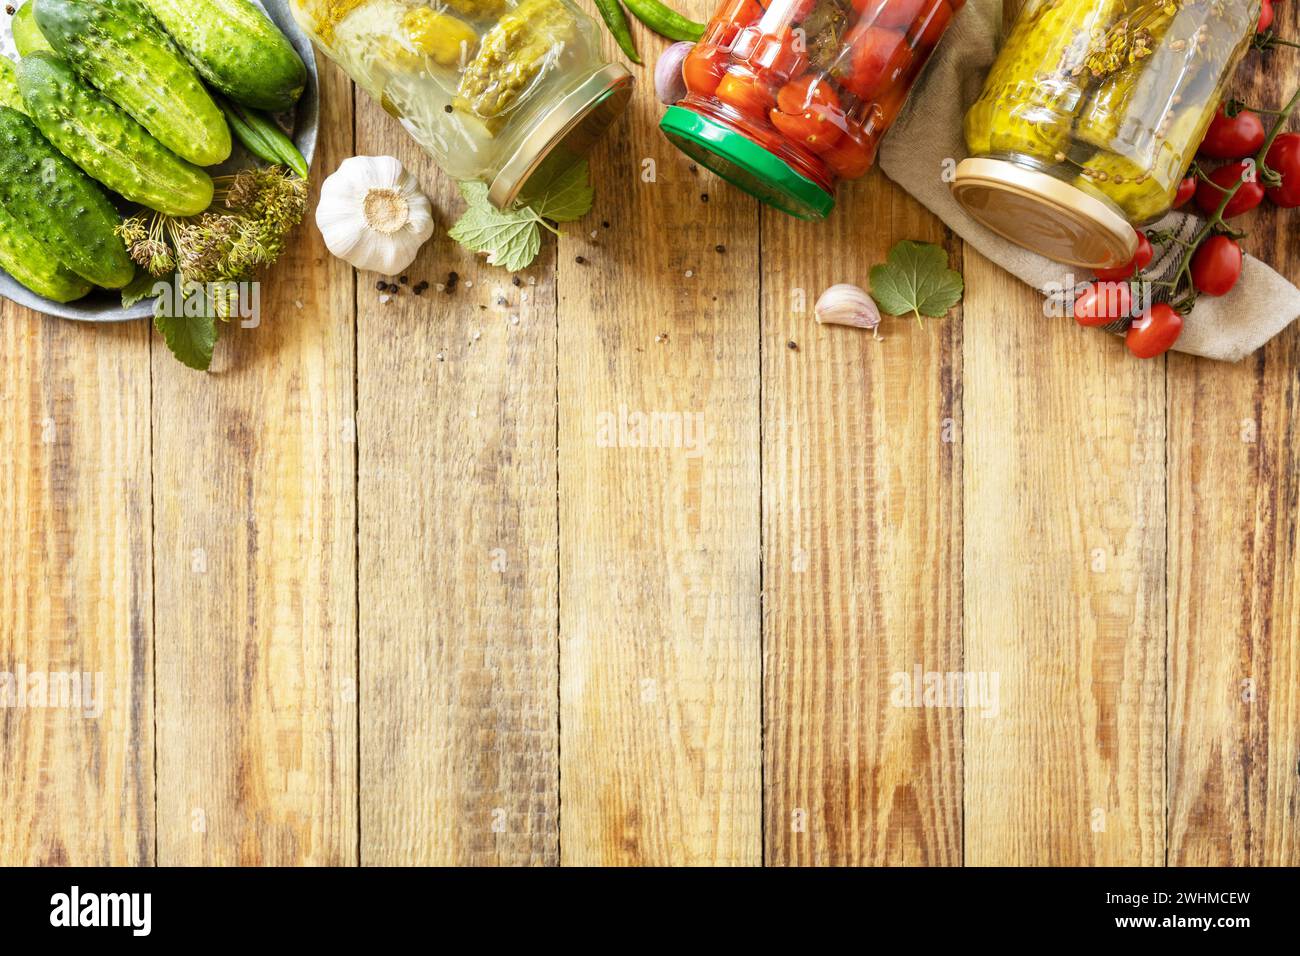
pixel 1045 215
pixel 566 133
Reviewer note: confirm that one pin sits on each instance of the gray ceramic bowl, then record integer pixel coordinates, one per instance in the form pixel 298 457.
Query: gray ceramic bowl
pixel 101 306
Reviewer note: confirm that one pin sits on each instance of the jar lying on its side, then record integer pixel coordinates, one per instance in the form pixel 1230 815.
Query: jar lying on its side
pixel 1091 116
pixel 489 88
pixel 786 100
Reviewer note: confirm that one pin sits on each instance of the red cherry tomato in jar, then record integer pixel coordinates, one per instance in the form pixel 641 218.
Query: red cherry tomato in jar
pixel 1265 17
pixel 1216 265
pixel 745 93
pixel 853 155
pixel 1248 196
pixel 1101 303
pixel 1284 159
pixel 774 56
pixel 929 28
pixel 1141 259
pixel 703 68
pixel 891 14
pixel 739 12
pixel 878 58
pixel 1154 332
pixel 1186 190
pixel 790 11
pixel 808 113
pixel 1233 137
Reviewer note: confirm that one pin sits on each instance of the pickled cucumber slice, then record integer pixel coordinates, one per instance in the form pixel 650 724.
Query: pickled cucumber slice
pixel 442 38
pixel 512 55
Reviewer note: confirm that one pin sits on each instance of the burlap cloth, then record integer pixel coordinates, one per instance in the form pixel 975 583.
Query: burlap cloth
pixel 929 132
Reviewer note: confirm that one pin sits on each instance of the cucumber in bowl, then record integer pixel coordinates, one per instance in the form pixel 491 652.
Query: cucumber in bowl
pixel 237 49
pixel 119 48
pixel 28 37
pixel 109 145
pixel 67 212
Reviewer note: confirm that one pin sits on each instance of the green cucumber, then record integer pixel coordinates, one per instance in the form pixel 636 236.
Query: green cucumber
pixel 113 148
pixel 27 261
pixel 9 95
pixel 28 37
pixel 237 49
pixel 118 47
pixel 63 208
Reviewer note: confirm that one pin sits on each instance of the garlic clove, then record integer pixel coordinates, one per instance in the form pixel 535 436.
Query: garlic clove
pixel 670 84
pixel 846 304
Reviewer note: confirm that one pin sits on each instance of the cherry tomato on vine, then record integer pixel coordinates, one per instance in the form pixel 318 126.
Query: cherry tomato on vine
pixel 1154 332
pixel 1233 137
pixel 808 113
pixel 879 57
pixel 1284 159
pixel 1186 190
pixel 1216 265
pixel 1141 259
pixel 1265 17
pixel 1101 303
pixel 1249 195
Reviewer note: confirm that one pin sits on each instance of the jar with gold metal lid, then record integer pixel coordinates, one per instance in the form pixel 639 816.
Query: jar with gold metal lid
pixel 1091 116
pixel 492 89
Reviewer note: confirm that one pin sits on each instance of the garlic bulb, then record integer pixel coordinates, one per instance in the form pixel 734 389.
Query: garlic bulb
pixel 373 214
pixel 847 305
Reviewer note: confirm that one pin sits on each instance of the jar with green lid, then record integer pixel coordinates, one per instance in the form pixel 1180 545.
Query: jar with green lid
pixel 1091 116
pixel 492 89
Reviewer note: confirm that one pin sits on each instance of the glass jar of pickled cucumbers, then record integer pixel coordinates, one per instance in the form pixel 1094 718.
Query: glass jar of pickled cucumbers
pixel 492 89
pixel 785 98
pixel 1091 116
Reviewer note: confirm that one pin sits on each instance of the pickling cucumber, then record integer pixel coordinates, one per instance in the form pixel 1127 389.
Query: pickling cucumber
pixel 237 49
pixel 24 258
pixel 113 148
pixel 9 95
pixel 118 47
pixel 64 209
pixel 28 38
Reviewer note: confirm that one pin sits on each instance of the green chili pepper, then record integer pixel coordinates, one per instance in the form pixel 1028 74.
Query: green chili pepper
pixel 613 16
pixel 665 22
pixel 263 138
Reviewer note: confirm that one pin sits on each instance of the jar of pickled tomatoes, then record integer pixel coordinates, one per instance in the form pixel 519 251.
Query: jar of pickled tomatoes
pixel 786 98
pixel 1091 116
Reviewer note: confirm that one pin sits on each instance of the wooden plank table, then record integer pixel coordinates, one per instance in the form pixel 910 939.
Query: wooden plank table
pixel 379 590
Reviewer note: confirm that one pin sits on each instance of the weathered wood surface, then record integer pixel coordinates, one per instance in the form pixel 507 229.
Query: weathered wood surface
pixel 407 582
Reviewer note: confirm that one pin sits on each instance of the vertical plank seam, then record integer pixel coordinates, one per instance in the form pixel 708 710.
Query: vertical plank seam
pixel 559 645
pixel 356 498
pixel 959 604
pixel 1164 837
pixel 153 595
pixel 762 569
